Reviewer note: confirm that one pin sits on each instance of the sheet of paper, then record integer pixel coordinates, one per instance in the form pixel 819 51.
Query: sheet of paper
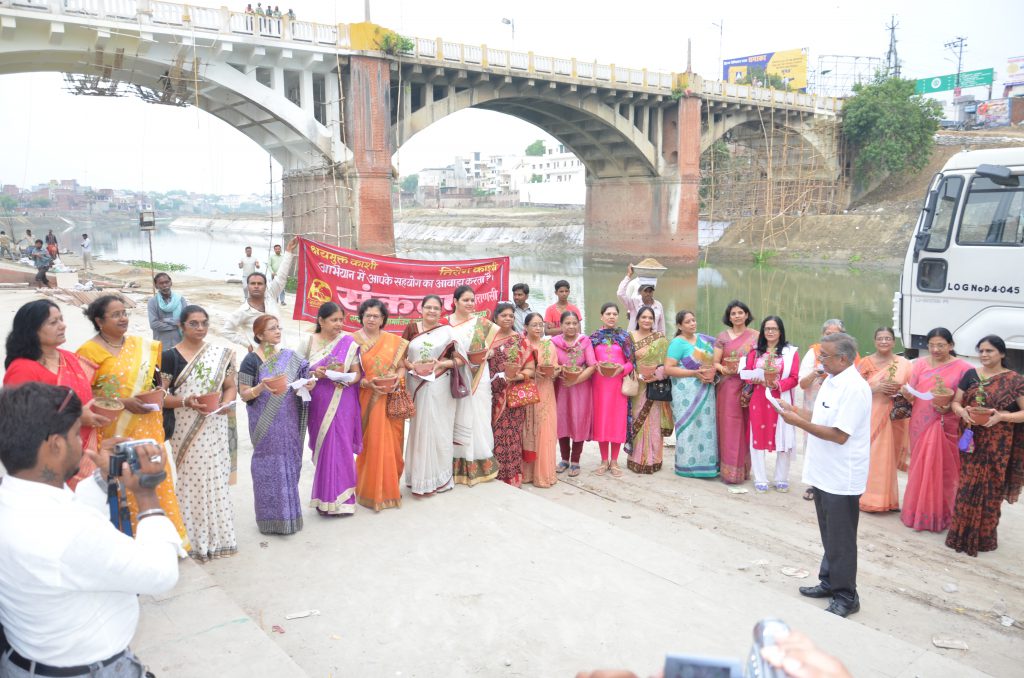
pixel 499 374
pixel 152 407
pixel 222 408
pixel 926 395
pixel 299 386
pixel 771 399
pixel 756 373
pixel 341 377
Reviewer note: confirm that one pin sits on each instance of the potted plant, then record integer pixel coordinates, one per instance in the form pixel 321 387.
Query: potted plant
pixel 153 396
pixel 107 392
pixel 980 413
pixel 771 370
pixel 607 368
pixel 386 378
pixel 425 365
pixel 941 395
pixel 571 370
pixel 277 384
pixel 478 345
pixel 547 363
pixel 731 363
pixel 206 382
pixel 512 361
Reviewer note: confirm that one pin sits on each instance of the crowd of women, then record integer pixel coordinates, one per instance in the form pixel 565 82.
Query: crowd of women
pixel 465 399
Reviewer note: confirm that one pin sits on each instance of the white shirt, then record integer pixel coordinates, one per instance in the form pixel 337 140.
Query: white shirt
pixel 86 245
pixel 69 579
pixel 843 402
pixel 238 326
pixel 635 302
pixel 249 265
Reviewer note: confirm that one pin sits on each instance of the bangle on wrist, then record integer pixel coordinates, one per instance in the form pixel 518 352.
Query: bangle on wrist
pixel 150 512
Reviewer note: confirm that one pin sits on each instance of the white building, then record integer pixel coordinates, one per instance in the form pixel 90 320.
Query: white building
pixel 556 178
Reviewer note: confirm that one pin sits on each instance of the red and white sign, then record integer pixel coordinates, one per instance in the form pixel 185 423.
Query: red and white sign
pixel 349 277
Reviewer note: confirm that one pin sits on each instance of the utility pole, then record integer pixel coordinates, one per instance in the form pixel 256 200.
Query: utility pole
pixel 366 11
pixel 892 60
pixel 957 47
pixel 721 29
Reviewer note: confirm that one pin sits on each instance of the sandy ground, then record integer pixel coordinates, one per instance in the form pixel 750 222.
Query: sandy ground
pixel 731 547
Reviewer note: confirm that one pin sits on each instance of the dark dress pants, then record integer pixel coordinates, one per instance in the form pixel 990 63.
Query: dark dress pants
pixel 837 521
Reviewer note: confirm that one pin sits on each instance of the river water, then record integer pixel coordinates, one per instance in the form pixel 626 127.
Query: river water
pixel 803 296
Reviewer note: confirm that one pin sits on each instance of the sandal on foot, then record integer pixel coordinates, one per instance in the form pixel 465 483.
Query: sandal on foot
pixel 761 487
pixel 562 467
pixel 809 494
pixel 602 469
pixel 615 470
pixel 574 470
pixel 782 487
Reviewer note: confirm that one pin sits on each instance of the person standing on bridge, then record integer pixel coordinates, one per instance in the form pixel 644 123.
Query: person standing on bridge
pixel 262 299
pixel 249 265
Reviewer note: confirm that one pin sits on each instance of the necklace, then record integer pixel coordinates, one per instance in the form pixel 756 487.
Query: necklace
pixel 108 343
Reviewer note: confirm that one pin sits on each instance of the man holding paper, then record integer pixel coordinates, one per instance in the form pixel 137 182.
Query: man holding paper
pixel 836 466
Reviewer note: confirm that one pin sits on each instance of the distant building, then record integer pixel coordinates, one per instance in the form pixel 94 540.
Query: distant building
pixel 556 178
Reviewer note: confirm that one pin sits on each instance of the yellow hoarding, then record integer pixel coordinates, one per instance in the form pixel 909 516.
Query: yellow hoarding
pixel 789 68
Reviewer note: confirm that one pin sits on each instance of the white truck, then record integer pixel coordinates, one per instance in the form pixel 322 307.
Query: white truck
pixel 964 269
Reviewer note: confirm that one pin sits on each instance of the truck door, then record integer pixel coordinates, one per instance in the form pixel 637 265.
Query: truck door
pixel 927 307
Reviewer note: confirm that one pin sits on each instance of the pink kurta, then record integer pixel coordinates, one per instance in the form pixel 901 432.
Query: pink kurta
pixel 610 405
pixel 765 433
pixel 574 403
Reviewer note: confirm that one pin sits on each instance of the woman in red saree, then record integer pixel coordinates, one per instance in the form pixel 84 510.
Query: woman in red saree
pixel 33 355
pixel 994 470
pixel 508 348
pixel 731 346
pixel 934 458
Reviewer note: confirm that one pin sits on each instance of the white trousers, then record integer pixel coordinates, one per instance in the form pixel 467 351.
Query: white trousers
pixel 758 465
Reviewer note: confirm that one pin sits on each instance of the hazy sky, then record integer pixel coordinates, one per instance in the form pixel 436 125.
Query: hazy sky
pixel 49 134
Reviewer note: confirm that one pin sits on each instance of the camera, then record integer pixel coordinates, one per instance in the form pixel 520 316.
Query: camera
pixel 126 453
pixel 766 632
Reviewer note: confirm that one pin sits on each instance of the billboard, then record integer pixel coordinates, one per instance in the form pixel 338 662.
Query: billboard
pixel 945 83
pixel 1015 70
pixel 788 65
pixel 994 113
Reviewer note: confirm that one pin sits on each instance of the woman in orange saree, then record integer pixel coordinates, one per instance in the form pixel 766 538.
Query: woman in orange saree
pixel 885 374
pixel 127 366
pixel 379 467
pixel 540 432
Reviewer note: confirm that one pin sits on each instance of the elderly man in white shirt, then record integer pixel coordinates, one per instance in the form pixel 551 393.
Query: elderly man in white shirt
pixel 644 296
pixel 70 580
pixel 836 466
pixel 262 300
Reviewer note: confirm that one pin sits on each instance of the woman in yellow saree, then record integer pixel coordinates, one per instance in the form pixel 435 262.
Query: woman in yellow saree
pixel 126 367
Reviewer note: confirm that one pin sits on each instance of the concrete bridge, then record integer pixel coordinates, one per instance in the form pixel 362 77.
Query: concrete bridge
pixel 332 103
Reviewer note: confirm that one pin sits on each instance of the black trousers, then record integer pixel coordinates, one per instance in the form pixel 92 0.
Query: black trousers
pixel 837 521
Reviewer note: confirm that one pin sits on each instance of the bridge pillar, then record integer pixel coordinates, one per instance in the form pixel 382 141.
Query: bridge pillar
pixel 652 215
pixel 368 136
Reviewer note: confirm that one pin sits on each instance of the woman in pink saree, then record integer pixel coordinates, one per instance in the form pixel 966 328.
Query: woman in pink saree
pixel 731 346
pixel 934 458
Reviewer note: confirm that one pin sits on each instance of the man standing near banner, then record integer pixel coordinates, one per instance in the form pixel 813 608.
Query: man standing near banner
pixel 262 299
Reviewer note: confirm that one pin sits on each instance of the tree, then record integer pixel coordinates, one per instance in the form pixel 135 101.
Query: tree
pixel 536 148
pixel 39 202
pixel 411 183
pixel 890 129
pixel 7 203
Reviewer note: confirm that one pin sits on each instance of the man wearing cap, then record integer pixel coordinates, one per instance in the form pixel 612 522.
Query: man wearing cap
pixel 643 297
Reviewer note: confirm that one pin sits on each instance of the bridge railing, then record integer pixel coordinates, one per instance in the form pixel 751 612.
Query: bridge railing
pixel 226 21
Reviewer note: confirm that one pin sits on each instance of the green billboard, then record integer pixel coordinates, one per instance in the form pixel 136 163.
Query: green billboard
pixel 945 83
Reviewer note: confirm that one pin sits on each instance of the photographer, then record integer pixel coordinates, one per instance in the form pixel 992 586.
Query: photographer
pixel 69 580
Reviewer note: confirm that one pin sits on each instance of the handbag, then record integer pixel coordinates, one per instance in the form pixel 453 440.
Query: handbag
pixel 630 385
pixel 745 393
pixel 522 393
pixel 400 404
pixel 660 391
pixel 901 408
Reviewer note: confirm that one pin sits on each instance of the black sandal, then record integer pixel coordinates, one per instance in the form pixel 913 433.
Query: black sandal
pixel 809 494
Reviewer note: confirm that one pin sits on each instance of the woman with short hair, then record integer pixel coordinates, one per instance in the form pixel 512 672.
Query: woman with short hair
pixel 577 364
pixel 651 420
pixel 731 347
pixel 613 349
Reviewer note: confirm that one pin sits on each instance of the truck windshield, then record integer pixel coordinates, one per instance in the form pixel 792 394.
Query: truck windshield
pixel 992 215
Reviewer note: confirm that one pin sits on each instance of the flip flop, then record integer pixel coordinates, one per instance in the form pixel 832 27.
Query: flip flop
pixel 809 494
pixel 615 471
pixel 562 467
pixel 574 470
pixel 761 488
pixel 601 470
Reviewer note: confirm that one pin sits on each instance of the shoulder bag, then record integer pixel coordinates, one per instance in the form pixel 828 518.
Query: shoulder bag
pixel 630 385
pixel 522 393
pixel 660 391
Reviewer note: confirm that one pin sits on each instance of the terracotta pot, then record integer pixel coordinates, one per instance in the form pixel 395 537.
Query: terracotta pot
pixel 980 415
pixel 647 371
pixel 511 370
pixel 547 370
pixel 423 367
pixel 210 401
pixel 277 384
pixel 154 397
pixel 107 407
pixel 607 369
pixel 731 365
pixel 477 357
pixel 942 398
pixel 570 375
pixel 771 379
pixel 386 382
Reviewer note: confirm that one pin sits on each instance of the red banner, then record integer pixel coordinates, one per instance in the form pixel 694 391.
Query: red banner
pixel 350 277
